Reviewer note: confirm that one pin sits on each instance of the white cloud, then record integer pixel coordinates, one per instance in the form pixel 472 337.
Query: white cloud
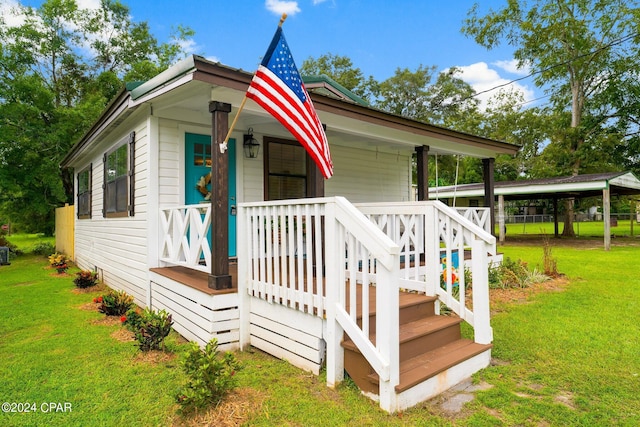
pixel 281 6
pixel 189 45
pixel 11 14
pixel 512 67
pixel 487 82
pixel 88 4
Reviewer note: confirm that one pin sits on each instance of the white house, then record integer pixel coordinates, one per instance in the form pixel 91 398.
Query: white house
pixel 347 272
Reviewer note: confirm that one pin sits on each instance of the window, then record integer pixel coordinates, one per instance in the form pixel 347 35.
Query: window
pixel 202 154
pixel 118 179
pixel 286 166
pixel 84 193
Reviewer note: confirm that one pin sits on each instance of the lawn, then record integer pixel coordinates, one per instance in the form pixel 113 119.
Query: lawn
pixel 562 357
pixel 585 229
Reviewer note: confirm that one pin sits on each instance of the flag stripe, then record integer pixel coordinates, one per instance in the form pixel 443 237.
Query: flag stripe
pixel 278 88
pixel 301 122
pixel 300 119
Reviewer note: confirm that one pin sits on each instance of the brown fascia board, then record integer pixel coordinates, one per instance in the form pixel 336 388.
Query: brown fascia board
pixel 221 75
pixel 117 106
pixel 379 117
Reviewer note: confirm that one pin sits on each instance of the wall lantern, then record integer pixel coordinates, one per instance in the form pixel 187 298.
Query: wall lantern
pixel 250 145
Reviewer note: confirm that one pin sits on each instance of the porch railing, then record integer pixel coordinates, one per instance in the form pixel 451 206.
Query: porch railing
pixel 319 256
pixel 185 231
pixel 434 241
pixel 479 216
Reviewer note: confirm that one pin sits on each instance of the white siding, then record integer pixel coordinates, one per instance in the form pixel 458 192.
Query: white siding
pixel 359 175
pixel 117 247
pixel 170 168
pixel 369 176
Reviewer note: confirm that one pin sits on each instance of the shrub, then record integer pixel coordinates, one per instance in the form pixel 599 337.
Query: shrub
pixel 59 261
pixel 210 377
pixel 150 328
pixel 513 274
pixel 132 319
pixel 115 303
pixel 85 279
pixel 43 248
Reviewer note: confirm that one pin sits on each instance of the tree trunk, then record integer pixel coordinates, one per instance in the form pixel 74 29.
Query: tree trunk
pixel 568 219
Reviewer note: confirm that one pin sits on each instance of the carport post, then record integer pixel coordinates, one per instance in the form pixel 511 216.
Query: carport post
pixel 501 224
pixel 555 217
pixel 606 210
pixel 489 198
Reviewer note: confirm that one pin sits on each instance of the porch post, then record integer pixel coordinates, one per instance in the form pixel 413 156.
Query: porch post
pixel 422 163
pixel 489 197
pixel 315 183
pixel 219 277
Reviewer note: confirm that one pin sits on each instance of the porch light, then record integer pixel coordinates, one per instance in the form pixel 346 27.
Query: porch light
pixel 250 145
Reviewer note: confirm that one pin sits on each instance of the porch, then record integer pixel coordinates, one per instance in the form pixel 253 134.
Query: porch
pixel 321 282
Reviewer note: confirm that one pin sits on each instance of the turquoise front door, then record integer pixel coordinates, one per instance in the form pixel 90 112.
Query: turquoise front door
pixel 197 167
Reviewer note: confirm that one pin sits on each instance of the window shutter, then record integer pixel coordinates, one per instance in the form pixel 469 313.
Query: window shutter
pixel 132 174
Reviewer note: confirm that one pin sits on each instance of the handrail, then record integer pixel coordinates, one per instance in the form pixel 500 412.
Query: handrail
pixel 437 266
pixel 284 250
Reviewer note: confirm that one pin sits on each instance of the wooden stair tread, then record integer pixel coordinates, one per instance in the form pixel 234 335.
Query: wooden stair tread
pixel 412 330
pixel 427 365
pixel 406 299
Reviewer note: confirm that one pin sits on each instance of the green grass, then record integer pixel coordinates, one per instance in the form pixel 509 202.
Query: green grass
pixel 564 358
pixel 27 241
pixel 582 229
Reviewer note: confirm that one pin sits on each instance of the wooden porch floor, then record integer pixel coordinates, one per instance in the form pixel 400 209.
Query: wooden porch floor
pixel 198 279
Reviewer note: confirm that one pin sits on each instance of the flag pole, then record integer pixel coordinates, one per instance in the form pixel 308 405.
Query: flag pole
pixel 223 146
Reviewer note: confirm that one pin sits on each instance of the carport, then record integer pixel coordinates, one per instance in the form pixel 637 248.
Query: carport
pixel 603 185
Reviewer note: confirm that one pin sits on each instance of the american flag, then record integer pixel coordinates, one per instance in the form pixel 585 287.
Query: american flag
pixel 278 88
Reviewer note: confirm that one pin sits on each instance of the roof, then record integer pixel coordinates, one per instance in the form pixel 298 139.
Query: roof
pixel 325 85
pixel 588 185
pixel 193 82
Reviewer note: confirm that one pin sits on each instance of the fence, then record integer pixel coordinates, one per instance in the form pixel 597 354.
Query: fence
pixel 65 222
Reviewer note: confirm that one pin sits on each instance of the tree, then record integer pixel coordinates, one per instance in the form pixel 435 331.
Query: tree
pixel 59 68
pixel 585 54
pixel 340 69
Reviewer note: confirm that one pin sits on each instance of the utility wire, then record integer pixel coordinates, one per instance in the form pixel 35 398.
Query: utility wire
pixel 600 49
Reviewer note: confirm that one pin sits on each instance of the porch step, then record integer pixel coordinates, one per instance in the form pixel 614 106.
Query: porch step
pixel 427 365
pixel 412 307
pixel 429 345
pixel 421 335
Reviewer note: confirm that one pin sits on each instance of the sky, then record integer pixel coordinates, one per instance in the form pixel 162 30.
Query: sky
pixel 379 36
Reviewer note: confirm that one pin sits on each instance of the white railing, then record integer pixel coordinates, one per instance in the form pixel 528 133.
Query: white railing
pixel 433 240
pixel 185 231
pixel 479 216
pixel 319 256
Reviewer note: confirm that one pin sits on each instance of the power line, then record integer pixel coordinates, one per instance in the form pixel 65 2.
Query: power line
pixel 600 49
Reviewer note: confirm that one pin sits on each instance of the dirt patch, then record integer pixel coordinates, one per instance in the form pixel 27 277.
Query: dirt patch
pixel 88 307
pixel 107 320
pixel 123 335
pixel 154 357
pixel 96 288
pixel 500 297
pixel 60 275
pixel 237 408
